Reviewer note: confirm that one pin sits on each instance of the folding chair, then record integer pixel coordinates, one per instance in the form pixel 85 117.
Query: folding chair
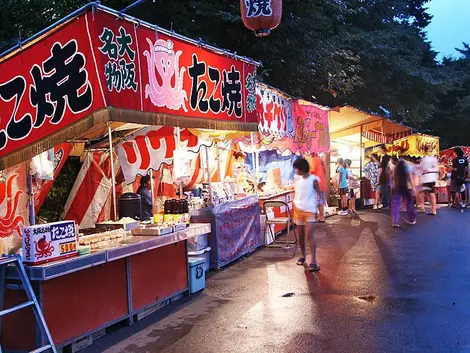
pixel 288 221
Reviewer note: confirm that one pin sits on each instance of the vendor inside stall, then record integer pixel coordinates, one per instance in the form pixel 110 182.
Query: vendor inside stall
pixel 145 192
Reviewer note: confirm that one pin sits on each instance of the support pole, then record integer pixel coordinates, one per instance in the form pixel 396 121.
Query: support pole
pixel 361 194
pixel 32 213
pixel 113 176
pixel 152 186
pixel 209 175
pixel 253 157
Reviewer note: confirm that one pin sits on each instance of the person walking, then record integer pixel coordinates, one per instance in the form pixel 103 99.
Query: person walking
pixel 429 176
pixel 384 177
pixel 305 209
pixel 371 172
pixel 353 185
pixel 459 170
pixel 318 169
pixel 343 187
pixel 402 190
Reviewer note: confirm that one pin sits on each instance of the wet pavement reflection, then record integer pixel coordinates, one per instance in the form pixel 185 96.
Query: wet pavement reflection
pixel 380 289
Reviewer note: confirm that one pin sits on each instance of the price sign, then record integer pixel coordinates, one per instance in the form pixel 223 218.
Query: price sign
pixel 66 248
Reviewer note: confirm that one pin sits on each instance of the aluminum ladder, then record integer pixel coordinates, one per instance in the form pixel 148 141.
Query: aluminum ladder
pixel 15 261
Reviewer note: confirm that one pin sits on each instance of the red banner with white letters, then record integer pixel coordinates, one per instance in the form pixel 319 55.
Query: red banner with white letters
pixel 47 86
pixel 99 60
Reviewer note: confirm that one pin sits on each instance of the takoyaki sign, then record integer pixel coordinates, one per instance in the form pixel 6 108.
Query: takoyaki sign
pixel 48 242
pixel 100 60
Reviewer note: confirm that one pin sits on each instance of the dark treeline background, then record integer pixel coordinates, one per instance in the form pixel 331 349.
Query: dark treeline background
pixel 373 55
pixel 370 54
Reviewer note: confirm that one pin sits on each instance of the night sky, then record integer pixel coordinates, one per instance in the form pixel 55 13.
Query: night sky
pixel 450 25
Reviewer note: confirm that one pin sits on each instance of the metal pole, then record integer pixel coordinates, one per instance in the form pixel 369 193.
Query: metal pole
pixel 113 176
pixel 209 175
pixel 361 194
pixel 253 156
pixel 152 187
pixel 32 213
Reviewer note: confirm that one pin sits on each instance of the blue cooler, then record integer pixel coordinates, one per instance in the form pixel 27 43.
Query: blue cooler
pixel 202 254
pixel 197 275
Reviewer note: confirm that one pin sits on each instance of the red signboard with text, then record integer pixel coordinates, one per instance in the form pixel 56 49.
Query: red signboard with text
pixel 99 60
pixel 47 86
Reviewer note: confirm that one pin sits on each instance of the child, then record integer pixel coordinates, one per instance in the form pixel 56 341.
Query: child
pixel 402 190
pixel 353 184
pixel 343 187
pixel 305 209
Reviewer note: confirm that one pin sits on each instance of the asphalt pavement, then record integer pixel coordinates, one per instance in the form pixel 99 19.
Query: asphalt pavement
pixel 380 289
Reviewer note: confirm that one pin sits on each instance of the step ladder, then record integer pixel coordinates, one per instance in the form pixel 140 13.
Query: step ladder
pixel 15 261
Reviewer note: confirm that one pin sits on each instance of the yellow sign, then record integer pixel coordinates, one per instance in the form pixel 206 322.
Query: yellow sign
pixel 416 145
pixel 68 247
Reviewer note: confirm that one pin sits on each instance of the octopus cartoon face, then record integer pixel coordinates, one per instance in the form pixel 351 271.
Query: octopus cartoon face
pixel 165 87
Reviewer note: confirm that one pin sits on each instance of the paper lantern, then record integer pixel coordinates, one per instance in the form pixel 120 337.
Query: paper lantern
pixel 261 16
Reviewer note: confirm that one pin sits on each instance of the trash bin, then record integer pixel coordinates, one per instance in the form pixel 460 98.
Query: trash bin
pixel 197 275
pixel 130 206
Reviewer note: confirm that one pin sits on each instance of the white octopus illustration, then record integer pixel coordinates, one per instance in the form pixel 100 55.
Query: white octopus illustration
pixel 166 89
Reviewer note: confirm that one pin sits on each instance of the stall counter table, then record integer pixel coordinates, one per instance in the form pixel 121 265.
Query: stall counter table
pixel 236 229
pixel 84 295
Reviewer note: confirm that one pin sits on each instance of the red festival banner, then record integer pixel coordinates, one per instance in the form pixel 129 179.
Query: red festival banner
pixel 101 60
pixel 311 131
pixel 47 86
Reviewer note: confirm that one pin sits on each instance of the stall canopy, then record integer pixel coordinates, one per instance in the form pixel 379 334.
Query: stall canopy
pixel 289 125
pixel 347 124
pixel 99 67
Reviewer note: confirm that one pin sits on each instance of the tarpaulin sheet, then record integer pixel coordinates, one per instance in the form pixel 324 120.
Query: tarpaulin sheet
pixel 237 231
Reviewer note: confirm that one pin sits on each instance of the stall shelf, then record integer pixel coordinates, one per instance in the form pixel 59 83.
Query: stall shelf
pixel 84 295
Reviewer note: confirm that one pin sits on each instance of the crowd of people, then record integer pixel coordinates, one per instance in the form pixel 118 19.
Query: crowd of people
pixel 405 184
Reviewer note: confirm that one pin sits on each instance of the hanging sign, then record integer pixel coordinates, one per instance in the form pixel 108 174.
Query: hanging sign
pixel 150 71
pixel 99 60
pixel 47 86
pixel 274 112
pixel 150 148
pixel 416 145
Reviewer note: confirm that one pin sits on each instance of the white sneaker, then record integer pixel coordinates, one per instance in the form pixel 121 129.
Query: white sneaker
pixel 380 206
pixel 343 213
pixel 375 207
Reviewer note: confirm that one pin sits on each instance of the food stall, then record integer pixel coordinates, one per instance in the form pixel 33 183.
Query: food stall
pixel 103 77
pixel 416 146
pixel 352 131
pixel 288 129
pixel 446 157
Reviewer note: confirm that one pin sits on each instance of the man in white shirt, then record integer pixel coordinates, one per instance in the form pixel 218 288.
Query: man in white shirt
pixel 429 177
